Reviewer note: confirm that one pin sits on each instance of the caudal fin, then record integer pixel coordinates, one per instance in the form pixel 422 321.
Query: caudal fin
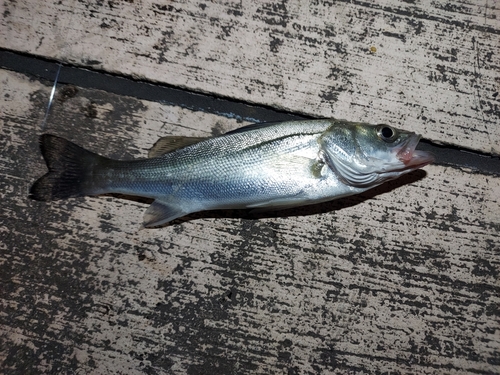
pixel 70 170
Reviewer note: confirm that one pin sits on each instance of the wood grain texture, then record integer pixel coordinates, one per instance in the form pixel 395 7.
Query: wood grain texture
pixel 402 279
pixel 425 65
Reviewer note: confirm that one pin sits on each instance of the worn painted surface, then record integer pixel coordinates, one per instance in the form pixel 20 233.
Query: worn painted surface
pixel 401 279
pixel 432 66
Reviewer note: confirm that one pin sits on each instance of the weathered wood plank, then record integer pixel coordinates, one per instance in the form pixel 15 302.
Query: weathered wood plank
pixel 402 279
pixel 430 66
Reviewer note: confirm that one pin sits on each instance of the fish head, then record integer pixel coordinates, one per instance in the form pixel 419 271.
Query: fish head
pixel 364 155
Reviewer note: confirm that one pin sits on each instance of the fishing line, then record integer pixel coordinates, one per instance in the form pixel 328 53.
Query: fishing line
pixel 51 99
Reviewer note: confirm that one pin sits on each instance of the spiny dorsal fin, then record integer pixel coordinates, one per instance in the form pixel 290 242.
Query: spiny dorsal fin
pixel 168 144
pixel 256 126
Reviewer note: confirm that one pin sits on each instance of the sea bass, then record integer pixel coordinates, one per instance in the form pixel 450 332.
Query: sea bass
pixel 260 166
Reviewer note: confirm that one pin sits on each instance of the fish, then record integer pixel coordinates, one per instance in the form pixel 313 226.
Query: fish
pixel 268 166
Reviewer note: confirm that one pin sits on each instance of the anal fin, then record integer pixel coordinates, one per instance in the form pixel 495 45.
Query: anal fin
pixel 161 213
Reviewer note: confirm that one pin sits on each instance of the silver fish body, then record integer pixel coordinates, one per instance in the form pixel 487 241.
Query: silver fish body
pixel 262 166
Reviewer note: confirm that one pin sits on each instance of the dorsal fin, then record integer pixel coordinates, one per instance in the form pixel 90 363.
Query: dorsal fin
pixel 168 144
pixel 253 127
pixel 264 125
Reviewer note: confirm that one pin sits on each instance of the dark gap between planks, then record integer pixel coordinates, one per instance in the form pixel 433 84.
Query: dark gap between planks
pixel 446 155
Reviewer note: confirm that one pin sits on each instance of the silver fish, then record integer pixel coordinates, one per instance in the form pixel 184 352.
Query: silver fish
pixel 260 166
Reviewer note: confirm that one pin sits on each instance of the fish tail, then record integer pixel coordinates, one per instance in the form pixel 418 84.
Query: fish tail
pixel 70 172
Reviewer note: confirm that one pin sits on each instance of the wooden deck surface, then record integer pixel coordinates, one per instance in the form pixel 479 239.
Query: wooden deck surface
pixel 401 279
pixel 430 65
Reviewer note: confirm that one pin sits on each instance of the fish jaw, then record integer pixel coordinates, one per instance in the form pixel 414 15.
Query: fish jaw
pixel 411 158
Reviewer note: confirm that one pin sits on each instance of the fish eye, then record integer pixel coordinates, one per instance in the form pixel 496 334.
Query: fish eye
pixel 386 133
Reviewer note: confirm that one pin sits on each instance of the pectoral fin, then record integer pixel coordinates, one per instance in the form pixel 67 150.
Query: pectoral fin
pixel 162 212
pixel 168 144
pixel 297 165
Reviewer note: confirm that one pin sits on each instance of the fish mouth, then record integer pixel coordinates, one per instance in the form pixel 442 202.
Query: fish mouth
pixel 414 158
